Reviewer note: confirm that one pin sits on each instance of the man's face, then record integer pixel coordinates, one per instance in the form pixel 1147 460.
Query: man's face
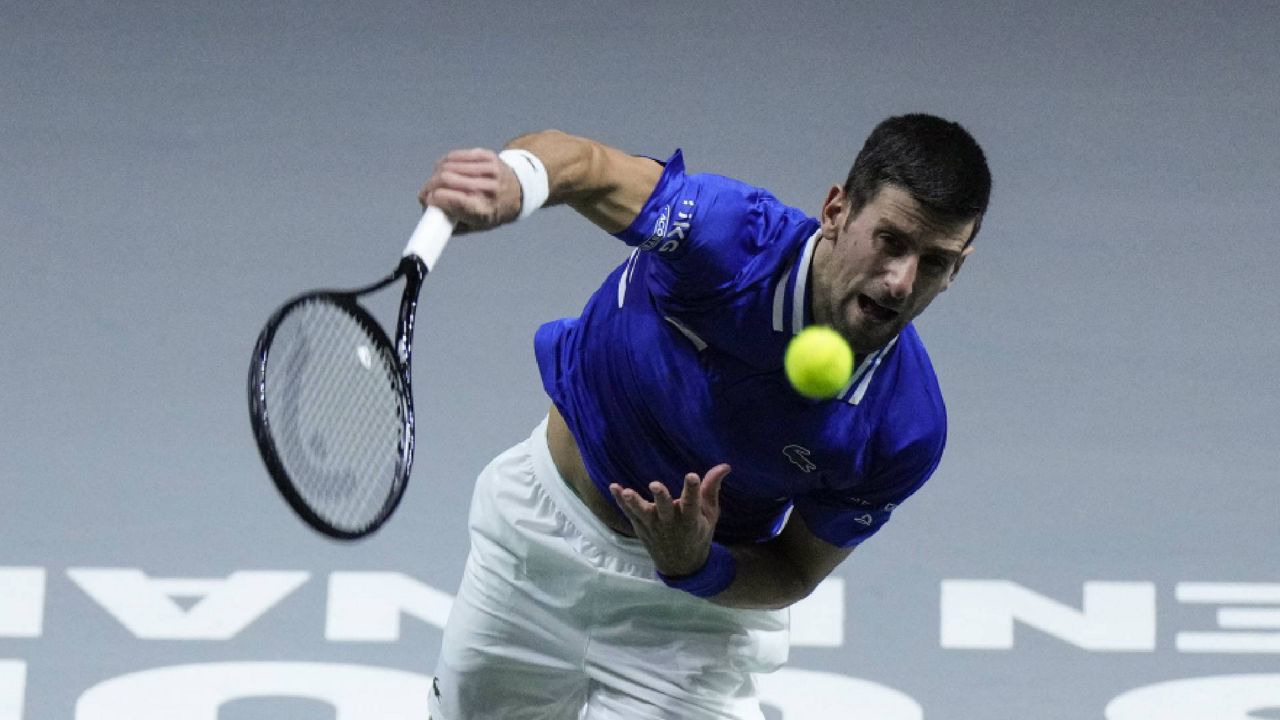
pixel 876 271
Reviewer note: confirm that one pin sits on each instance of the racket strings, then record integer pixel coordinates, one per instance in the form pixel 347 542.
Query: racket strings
pixel 337 415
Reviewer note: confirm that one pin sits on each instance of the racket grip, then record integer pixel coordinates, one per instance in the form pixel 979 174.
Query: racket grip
pixel 430 236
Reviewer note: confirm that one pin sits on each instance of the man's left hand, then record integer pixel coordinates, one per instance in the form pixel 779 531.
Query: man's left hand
pixel 676 532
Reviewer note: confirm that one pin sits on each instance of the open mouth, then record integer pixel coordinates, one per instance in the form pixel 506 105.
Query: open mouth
pixel 875 311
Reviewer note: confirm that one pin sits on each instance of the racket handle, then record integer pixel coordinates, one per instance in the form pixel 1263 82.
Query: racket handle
pixel 430 237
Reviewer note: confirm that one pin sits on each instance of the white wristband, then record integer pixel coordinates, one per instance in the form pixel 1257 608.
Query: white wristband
pixel 532 174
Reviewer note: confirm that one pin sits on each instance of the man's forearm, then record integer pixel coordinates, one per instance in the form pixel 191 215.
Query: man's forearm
pixel 781 571
pixel 766 579
pixel 604 184
pixel 575 165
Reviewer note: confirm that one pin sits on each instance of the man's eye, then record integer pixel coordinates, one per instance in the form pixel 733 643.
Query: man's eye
pixel 891 242
pixel 935 264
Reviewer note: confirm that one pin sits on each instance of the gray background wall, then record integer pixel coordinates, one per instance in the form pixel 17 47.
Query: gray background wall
pixel 170 171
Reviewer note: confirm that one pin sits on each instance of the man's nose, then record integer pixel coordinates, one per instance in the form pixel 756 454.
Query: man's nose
pixel 901 276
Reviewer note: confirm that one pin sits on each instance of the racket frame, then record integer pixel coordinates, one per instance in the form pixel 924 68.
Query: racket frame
pixel 429 238
pixel 414 271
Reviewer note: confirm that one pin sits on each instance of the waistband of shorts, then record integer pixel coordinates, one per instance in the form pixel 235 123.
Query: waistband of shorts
pixel 577 512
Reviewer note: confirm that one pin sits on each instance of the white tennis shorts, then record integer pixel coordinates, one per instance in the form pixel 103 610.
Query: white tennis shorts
pixel 561 618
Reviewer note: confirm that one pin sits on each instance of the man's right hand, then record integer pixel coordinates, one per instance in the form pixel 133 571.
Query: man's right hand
pixel 474 188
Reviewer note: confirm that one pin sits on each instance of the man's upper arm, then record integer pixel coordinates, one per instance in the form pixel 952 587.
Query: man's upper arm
pixel 630 180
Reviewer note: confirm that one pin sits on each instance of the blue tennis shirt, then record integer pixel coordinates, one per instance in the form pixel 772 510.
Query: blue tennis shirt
pixel 675 365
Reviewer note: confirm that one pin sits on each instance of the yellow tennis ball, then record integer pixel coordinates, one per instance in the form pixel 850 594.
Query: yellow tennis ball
pixel 818 362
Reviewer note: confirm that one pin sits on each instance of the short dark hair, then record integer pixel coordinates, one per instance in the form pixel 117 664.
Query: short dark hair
pixel 935 160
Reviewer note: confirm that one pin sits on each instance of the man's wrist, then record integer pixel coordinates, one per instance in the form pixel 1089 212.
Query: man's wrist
pixel 535 186
pixel 715 575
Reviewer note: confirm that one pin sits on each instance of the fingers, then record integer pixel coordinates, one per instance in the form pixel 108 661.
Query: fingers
pixel 698 497
pixel 662 502
pixel 462 162
pixel 471 186
pixel 478 154
pixel 690 501
pixel 638 510
pixel 464 177
pixel 462 206
pixel 710 491
pixel 455 178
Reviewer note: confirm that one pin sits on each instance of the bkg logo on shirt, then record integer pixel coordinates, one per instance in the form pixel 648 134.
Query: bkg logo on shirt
pixel 659 230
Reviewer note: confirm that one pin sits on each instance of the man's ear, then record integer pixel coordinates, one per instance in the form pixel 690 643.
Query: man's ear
pixel 959 262
pixel 833 212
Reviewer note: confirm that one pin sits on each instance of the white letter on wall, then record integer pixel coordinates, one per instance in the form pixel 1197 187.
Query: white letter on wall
pixel 21 601
pixel 1225 697
pixel 13 686
pixel 366 606
pixel 980 614
pixel 145 605
pixel 195 692
pixel 1236 618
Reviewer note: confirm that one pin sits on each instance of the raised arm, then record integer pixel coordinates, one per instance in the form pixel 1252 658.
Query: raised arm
pixel 605 185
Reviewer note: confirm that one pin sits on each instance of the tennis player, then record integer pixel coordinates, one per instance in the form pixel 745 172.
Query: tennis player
pixel 633 558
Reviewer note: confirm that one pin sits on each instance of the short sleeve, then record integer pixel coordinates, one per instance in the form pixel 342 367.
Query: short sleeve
pixel 846 517
pixel 703 229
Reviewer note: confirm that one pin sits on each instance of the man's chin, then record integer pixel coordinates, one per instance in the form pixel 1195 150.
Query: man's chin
pixel 865 341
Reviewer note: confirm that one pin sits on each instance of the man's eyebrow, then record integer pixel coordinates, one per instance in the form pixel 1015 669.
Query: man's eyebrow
pixel 887 225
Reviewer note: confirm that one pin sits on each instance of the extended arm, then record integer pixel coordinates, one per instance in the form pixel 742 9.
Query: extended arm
pixel 605 185
pixel 782 571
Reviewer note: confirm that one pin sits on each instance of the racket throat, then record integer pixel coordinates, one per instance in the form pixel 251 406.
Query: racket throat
pixel 414 271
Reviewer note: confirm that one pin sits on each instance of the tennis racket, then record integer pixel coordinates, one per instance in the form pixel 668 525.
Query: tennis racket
pixel 330 397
